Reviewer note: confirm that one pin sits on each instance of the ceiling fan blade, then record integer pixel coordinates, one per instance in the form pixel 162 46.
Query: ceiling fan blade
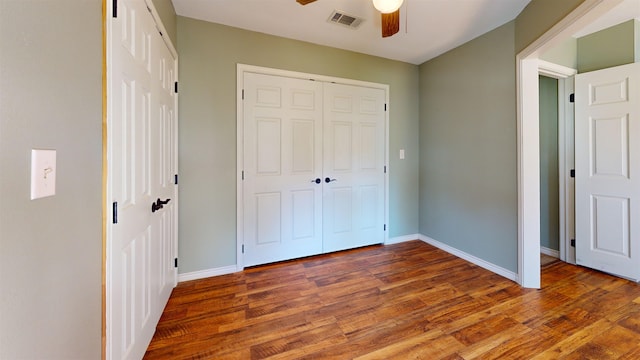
pixel 305 2
pixel 390 23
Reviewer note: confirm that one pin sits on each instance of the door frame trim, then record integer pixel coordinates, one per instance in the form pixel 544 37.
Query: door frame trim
pixel 528 137
pixel 241 69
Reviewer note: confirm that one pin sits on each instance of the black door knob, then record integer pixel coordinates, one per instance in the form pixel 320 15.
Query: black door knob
pixel 328 180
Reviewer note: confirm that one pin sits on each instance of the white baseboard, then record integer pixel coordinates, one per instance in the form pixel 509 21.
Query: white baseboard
pixel 195 275
pixel 550 252
pixel 403 238
pixel 472 259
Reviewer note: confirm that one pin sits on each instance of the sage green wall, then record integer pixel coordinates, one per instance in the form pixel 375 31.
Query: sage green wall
pixel 595 49
pixel 51 248
pixel 168 17
pixel 468 183
pixel 468 170
pixel 549 181
pixel 565 54
pixel 468 188
pixel 607 48
pixel 208 57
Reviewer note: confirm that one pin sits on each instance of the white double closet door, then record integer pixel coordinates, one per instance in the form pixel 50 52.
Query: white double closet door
pixel 313 165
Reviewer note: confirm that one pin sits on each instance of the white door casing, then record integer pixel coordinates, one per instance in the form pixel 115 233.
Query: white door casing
pixel 607 130
pixel 368 194
pixel 141 163
pixel 354 161
pixel 566 161
pixel 282 160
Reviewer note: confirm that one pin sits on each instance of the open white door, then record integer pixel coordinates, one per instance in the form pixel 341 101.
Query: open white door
pixel 607 130
pixel 141 156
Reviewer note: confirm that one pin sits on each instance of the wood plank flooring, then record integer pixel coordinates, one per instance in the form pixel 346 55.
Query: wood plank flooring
pixel 403 301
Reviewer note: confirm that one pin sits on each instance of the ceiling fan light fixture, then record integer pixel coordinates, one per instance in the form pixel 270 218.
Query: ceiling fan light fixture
pixel 387 6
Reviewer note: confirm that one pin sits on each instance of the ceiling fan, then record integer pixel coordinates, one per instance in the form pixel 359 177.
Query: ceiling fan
pixel 389 11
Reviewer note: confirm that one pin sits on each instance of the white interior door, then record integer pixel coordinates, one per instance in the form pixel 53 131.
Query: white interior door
pixel 141 156
pixel 607 130
pixel 282 168
pixel 164 159
pixel 354 161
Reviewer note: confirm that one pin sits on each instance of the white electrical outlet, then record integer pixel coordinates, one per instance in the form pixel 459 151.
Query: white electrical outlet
pixel 401 154
pixel 43 173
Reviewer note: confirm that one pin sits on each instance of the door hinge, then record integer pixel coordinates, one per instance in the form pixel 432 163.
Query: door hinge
pixel 385 107
pixel 175 262
pixel 115 9
pixel 572 173
pixel 573 242
pixel 115 212
pixel 385 227
pixel 385 169
pixel 175 179
pixel 243 248
pixel 242 174
pixel 242 94
pixel 175 87
pixel 572 98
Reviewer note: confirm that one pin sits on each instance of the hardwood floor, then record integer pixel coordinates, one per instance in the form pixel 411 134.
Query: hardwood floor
pixel 547 260
pixel 403 301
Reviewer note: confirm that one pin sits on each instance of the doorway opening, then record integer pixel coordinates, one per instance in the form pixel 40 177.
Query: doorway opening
pixel 557 187
pixel 527 72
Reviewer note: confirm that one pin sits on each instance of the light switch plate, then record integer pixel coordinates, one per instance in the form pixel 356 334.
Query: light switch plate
pixel 401 154
pixel 43 173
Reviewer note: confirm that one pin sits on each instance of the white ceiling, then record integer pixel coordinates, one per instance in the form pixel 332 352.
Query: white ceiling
pixel 428 28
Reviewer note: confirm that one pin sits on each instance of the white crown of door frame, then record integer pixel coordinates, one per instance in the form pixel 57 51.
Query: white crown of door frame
pixel 243 68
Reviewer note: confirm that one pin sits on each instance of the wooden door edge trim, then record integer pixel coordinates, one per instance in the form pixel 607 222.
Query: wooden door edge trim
pixel 103 350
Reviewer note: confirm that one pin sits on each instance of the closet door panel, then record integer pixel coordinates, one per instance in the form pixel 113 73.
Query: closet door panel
pixel 282 202
pixel 354 143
